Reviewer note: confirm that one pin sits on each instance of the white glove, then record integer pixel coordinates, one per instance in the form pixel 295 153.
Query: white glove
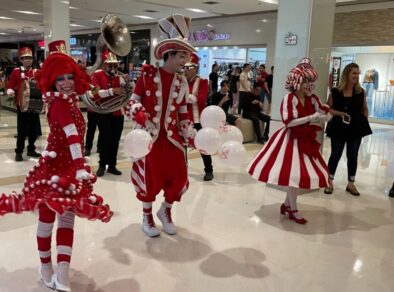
pixel 82 174
pixel 10 93
pixel 134 109
pixel 315 117
pixel 191 98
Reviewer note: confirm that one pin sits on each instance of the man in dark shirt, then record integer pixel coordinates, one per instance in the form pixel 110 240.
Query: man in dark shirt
pixel 253 111
pixel 268 84
pixel 222 99
pixel 213 79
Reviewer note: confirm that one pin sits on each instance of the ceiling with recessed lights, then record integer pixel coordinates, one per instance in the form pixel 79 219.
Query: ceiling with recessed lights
pixel 25 17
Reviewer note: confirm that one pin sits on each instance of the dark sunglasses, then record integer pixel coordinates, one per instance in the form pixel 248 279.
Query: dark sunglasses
pixel 189 67
pixel 64 77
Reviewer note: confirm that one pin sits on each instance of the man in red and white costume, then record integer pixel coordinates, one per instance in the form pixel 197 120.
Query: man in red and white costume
pixel 60 185
pixel 158 105
pixel 196 102
pixel 110 125
pixel 27 121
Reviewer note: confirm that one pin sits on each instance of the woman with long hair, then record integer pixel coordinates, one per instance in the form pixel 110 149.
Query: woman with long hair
pixel 348 106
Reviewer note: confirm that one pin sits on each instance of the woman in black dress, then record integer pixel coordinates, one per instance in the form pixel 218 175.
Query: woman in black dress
pixel 348 126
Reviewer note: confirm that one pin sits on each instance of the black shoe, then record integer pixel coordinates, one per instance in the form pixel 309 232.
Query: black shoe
pixel 265 138
pixel 208 176
pixel 114 170
pixel 391 193
pixel 100 171
pixel 18 157
pixel 33 153
pixel 87 152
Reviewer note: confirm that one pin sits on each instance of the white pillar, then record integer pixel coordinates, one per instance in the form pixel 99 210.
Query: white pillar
pixel 312 21
pixel 56 22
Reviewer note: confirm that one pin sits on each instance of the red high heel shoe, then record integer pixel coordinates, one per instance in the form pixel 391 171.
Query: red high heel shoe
pixel 296 220
pixel 284 209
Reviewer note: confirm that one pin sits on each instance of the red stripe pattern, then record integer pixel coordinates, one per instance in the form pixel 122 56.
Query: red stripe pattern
pixel 282 161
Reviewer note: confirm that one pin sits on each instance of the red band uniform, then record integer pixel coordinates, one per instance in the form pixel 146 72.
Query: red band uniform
pixel 110 124
pixel 28 122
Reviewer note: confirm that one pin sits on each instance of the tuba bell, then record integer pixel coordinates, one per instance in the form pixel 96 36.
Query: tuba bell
pixel 116 36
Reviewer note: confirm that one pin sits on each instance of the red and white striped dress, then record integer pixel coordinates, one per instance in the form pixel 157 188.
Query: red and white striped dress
pixel 291 157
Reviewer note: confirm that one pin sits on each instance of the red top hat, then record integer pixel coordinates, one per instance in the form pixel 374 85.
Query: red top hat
pixel 175 30
pixel 58 46
pixel 25 52
pixel 193 61
pixel 108 57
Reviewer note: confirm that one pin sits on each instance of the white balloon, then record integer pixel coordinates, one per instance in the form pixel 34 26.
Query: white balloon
pixel 213 116
pixel 231 133
pixel 138 143
pixel 207 141
pixel 232 153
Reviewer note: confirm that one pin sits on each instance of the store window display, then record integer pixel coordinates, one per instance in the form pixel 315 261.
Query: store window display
pixel 370 83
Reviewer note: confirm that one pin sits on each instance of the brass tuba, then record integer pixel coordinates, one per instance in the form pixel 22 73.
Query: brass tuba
pixel 116 36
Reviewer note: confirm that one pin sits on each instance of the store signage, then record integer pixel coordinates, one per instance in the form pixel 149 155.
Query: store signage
pixel 336 71
pixel 291 39
pixel 72 41
pixel 207 35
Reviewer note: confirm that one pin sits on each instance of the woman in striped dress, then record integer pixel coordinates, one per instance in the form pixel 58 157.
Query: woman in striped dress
pixel 291 158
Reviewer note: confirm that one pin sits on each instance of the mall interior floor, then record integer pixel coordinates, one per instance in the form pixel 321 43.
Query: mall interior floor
pixel 230 238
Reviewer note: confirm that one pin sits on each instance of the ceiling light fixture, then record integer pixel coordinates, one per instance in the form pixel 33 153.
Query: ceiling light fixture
pixel 258 30
pixel 27 12
pixel 196 10
pixel 209 25
pixel 65 2
pixel 72 7
pixel 143 16
pixel 3 33
pixel 264 20
pixel 6 18
pixel 270 1
pixel 75 25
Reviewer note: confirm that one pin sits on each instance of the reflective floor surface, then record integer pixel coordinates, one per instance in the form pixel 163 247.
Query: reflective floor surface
pixel 230 235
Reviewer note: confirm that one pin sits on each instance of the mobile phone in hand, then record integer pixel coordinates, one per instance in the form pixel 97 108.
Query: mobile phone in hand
pixel 346 119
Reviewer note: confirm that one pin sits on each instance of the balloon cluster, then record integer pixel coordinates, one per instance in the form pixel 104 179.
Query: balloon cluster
pixel 215 136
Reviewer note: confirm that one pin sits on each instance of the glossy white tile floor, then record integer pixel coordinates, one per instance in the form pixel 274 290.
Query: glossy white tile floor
pixel 231 236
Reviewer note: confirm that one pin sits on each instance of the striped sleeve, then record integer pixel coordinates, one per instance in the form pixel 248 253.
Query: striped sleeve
pixel 319 107
pixel 61 110
pixel 288 108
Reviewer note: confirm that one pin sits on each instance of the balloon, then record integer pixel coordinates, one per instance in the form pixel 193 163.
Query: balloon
pixel 232 153
pixel 214 117
pixel 207 141
pixel 231 133
pixel 138 143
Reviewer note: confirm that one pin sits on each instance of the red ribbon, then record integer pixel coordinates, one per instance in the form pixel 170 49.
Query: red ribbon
pixel 306 135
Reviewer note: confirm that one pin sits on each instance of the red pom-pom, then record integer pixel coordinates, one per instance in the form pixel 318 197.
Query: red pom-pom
pixel 64 182
pixel 140 118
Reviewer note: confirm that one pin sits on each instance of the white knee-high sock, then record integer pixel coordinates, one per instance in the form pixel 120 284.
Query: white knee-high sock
pixel 287 201
pixel 292 193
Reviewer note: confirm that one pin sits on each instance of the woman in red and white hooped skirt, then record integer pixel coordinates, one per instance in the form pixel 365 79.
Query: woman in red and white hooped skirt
pixel 60 185
pixel 291 157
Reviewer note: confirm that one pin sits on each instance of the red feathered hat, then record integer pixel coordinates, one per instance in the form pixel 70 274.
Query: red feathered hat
pixel 193 61
pixel 57 65
pixel 108 57
pixel 25 52
pixel 58 46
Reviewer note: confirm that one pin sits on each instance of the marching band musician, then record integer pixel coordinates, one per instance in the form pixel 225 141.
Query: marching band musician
pixel 196 101
pixel 110 125
pixel 28 122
